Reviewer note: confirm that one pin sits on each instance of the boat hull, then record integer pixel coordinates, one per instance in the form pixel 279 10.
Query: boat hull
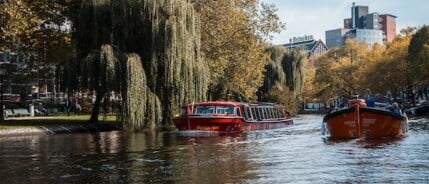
pixel 224 116
pixel 364 122
pixel 266 125
pixel 227 124
pixel 209 123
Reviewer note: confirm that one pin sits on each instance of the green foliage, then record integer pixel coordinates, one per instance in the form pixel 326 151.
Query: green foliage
pixel 154 46
pixel 233 41
pixel 101 69
pixel 282 95
pixel 419 56
pixel 31 29
pixel 285 68
pixel 142 108
pixel 339 71
pixel 353 68
pixel 284 77
pixel 390 70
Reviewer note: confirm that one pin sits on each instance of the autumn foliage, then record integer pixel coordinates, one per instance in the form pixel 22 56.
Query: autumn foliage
pixel 399 66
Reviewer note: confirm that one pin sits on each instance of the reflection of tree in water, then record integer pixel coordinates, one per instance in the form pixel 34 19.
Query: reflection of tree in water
pixel 149 50
pixel 197 158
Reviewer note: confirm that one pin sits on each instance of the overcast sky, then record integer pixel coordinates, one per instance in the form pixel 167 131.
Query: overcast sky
pixel 314 17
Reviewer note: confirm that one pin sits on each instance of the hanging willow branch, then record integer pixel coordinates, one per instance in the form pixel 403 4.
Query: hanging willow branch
pixel 284 69
pixel 166 68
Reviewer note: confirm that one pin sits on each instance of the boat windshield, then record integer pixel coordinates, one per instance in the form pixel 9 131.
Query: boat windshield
pixel 204 110
pixel 224 110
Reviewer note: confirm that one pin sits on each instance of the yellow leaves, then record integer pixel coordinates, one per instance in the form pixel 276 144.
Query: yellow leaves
pixel 230 44
pixel 353 68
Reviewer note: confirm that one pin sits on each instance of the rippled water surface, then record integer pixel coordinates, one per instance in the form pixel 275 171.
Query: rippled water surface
pixel 295 154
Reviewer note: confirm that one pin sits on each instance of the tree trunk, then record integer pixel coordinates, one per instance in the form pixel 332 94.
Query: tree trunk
pixel 96 108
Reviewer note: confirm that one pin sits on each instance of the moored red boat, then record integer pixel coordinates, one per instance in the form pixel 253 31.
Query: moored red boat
pixel 359 121
pixel 222 116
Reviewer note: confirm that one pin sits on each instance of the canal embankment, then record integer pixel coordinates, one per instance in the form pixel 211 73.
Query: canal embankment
pixel 24 126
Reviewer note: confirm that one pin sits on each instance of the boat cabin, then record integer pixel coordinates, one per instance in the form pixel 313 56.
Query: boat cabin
pixel 250 112
pixel 212 108
pixel 261 112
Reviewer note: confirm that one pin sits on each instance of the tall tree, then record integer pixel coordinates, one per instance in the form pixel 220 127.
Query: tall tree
pixel 389 72
pixel 147 50
pixel 419 56
pixel 339 72
pixel 284 68
pixel 284 77
pixel 35 31
pixel 233 35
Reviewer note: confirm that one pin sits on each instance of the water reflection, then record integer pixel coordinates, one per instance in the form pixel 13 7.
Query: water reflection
pixel 295 154
pixel 365 143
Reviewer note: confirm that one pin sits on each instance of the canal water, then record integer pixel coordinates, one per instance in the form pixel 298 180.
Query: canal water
pixel 295 154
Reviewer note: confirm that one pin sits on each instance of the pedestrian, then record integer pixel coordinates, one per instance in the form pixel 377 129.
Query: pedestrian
pixel 67 106
pixel 78 108
pixel 42 109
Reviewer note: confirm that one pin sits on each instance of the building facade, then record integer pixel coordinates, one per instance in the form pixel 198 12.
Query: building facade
pixel 388 25
pixel 309 45
pixel 365 27
pixel 336 37
pixel 368 36
pixel 358 16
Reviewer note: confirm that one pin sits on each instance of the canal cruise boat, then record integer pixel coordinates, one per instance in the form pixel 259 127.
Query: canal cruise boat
pixel 224 116
pixel 360 121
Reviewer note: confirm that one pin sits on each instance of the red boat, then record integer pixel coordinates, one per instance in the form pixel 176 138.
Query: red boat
pixel 221 116
pixel 359 121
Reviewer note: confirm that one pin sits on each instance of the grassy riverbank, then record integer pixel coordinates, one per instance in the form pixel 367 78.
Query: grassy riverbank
pixel 53 121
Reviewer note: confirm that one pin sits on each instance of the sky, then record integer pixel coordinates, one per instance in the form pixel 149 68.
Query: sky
pixel 314 17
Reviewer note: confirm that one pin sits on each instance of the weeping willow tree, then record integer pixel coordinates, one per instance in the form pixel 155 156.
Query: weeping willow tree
pixel 286 68
pixel 284 76
pixel 147 49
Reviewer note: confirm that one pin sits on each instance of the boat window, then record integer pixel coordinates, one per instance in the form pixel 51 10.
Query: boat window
pixel 281 112
pixel 183 111
pixel 254 114
pixel 259 113
pixel 264 113
pixel 272 113
pixel 247 112
pixel 224 110
pixel 238 111
pixel 268 113
pixel 204 110
pixel 276 112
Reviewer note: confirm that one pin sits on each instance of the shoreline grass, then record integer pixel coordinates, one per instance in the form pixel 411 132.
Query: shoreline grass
pixel 55 120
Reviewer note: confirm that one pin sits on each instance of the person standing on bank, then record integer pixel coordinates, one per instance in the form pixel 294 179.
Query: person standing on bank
pixel 78 108
pixel 67 106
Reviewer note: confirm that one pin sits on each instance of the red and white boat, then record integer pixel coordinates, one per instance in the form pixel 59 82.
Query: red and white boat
pixel 223 116
pixel 359 121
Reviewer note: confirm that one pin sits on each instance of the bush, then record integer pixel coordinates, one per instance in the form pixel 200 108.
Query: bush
pixel 282 95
